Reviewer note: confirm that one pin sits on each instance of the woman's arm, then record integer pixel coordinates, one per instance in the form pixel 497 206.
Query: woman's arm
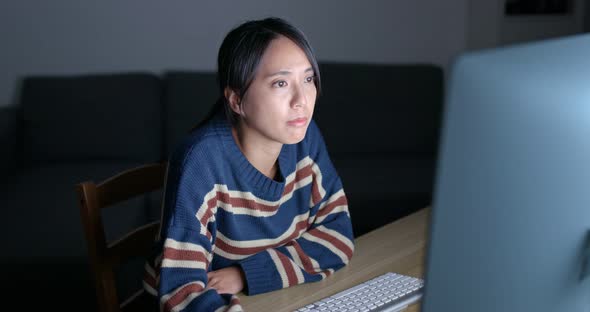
pixel 187 243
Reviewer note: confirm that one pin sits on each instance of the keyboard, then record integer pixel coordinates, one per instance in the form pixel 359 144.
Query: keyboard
pixel 387 292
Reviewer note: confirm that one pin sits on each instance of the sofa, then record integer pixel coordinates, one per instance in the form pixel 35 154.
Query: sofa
pixel 380 123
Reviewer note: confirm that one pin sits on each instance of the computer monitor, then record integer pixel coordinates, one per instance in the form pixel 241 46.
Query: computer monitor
pixel 511 207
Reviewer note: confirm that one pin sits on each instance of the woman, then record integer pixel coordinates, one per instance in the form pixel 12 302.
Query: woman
pixel 253 202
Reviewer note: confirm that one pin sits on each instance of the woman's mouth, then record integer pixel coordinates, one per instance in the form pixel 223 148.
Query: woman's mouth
pixel 297 122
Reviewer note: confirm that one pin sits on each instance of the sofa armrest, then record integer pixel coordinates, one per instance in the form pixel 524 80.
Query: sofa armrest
pixel 8 140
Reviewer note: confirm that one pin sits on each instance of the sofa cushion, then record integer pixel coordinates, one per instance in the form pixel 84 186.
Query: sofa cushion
pixel 92 117
pixel 368 108
pixel 8 141
pixel 40 208
pixel 382 188
pixel 188 98
pixel 42 233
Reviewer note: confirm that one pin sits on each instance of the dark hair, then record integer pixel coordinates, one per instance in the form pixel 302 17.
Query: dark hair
pixel 240 54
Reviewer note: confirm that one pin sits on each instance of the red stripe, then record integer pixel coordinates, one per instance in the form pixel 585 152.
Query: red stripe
pixel 252 250
pixel 305 260
pixel 299 175
pixel 329 207
pixel 291 277
pixel 316 197
pixel 210 205
pixel 234 301
pixel 303 173
pixel 251 203
pixel 335 241
pixel 181 295
pixel 187 255
pixel 246 203
pixel 289 188
pixel 236 202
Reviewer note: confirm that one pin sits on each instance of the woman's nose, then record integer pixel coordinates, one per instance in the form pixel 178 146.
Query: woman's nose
pixel 299 97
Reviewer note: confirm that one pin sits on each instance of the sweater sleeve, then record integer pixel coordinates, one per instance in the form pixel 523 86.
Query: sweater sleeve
pixel 187 237
pixel 327 244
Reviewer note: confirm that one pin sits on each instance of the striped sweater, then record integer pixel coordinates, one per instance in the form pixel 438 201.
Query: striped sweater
pixel 220 211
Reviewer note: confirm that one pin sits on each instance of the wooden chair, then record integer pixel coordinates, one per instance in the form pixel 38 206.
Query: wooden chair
pixel 105 257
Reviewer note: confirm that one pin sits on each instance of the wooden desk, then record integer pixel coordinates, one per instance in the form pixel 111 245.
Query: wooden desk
pixel 397 247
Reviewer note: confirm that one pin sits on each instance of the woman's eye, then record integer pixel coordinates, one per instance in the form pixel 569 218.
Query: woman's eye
pixel 309 79
pixel 280 84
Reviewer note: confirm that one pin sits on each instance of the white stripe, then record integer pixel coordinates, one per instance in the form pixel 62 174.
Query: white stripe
pixel 337 209
pixel 337 234
pixel 222 188
pixel 186 301
pixel 258 242
pixel 234 308
pixel 174 244
pixel 168 263
pixel 204 208
pixel 298 273
pixel 301 183
pixel 318 174
pixel 295 256
pixel 300 165
pixel 332 198
pixel 211 194
pixel 171 243
pixel 249 196
pixel 326 244
pixel 228 255
pixel 280 268
pixel 324 275
pixel 297 264
pixel 265 241
pixel 245 211
pixel 341 208
pixel 316 265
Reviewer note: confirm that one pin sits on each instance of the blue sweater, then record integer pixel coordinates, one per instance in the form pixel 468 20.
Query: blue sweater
pixel 220 211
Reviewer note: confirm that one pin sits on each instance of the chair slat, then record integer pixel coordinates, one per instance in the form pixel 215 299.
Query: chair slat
pixel 104 259
pixel 130 183
pixel 134 244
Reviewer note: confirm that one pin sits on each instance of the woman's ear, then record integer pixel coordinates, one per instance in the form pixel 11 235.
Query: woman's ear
pixel 234 100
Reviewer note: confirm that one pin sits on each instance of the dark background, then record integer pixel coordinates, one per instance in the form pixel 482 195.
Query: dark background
pixel 69 36
pixel 66 37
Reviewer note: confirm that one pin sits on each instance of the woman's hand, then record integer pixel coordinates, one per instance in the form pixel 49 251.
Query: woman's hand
pixel 228 280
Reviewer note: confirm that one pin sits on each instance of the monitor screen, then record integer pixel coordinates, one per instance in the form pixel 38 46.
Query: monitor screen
pixel 510 221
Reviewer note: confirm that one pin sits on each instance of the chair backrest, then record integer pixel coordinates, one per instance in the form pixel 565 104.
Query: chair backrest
pixel 105 257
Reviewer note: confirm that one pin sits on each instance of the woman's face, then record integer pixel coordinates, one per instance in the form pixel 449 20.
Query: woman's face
pixel 279 103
